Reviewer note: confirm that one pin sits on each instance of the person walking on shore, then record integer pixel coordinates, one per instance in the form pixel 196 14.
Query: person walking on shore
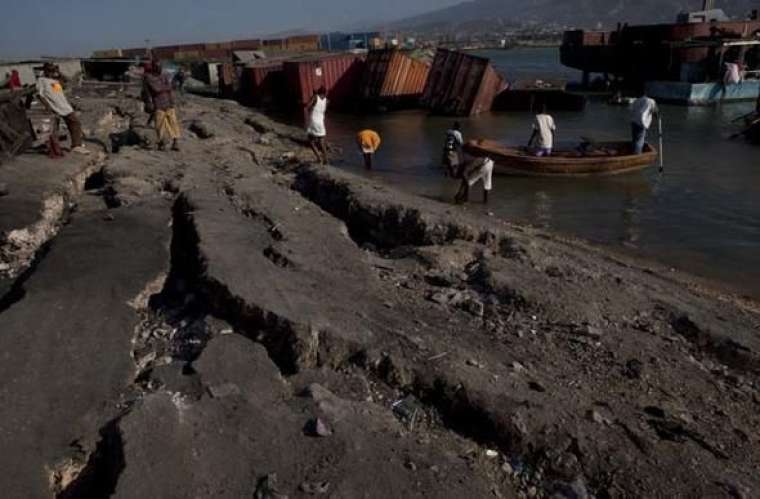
pixel 473 172
pixel 452 149
pixel 50 92
pixel 159 97
pixel 543 134
pixel 316 130
pixel 642 111
pixel 368 142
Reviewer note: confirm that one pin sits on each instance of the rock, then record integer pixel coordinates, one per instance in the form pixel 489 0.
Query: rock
pixel 410 465
pixel 537 387
pixel 3 189
pixel 317 427
pixel 589 331
pixel 224 390
pixel 736 490
pixel 597 417
pixel 200 130
pixel 407 409
pixel 507 468
pixel 315 488
pixel 266 488
pixel 633 369
pixel 575 490
pixel 475 363
pixel 517 367
pixel 440 298
pixel 491 454
pixel 441 279
pixel 473 306
pixel 532 492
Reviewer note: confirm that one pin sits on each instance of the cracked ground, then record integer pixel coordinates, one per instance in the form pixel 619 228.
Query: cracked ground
pixel 232 321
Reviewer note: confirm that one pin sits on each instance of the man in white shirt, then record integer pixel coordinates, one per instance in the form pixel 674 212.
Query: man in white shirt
pixel 733 74
pixel 51 95
pixel 475 171
pixel 543 132
pixel 642 111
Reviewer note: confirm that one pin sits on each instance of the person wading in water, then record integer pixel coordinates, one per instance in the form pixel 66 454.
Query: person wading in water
pixel 316 129
pixel 368 142
pixel 473 172
pixel 452 149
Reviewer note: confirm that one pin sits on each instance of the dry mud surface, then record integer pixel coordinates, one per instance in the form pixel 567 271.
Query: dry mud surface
pixel 232 321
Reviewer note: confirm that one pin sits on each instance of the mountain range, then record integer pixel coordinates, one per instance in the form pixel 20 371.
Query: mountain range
pixel 580 13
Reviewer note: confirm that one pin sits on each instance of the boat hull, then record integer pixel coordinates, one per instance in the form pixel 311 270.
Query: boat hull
pixel 516 161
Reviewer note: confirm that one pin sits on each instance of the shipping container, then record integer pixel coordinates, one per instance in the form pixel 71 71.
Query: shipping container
pixel 164 53
pixel 253 44
pixel 461 84
pixel 107 54
pixel 340 74
pixel 229 80
pixel 305 43
pixel 135 53
pixel 263 84
pixel 393 78
pixel 187 55
pixel 222 55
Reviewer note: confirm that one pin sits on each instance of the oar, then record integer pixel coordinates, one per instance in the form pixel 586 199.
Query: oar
pixel 745 131
pixel 743 117
pixel 662 156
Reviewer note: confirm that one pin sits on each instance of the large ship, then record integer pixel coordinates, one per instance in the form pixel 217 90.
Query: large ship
pixel 683 62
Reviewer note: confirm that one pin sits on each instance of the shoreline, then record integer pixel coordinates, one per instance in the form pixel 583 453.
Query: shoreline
pixel 291 328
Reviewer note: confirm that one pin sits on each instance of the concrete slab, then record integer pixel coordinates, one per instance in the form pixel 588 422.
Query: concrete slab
pixel 65 347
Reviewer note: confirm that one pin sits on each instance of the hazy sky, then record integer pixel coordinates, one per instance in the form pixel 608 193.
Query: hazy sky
pixel 76 27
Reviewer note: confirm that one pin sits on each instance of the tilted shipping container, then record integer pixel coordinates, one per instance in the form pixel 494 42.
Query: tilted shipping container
pixel 392 77
pixel 461 84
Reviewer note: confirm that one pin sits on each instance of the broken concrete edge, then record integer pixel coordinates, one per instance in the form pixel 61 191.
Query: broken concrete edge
pixel 94 473
pixel 19 247
pixel 291 346
pixel 347 197
pixel 385 225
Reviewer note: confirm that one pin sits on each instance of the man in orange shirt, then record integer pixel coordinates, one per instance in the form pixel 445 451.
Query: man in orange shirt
pixel 368 142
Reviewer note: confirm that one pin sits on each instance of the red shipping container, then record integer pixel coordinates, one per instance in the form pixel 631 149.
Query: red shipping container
pixel 392 77
pixel 263 84
pixel 253 44
pixel 461 84
pixel 340 74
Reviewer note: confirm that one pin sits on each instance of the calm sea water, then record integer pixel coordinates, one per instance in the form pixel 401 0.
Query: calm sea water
pixel 702 216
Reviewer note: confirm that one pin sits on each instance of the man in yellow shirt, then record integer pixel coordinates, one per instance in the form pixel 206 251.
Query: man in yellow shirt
pixel 368 142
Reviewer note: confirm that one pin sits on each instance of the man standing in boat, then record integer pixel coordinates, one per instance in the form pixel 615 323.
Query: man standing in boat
pixel 543 130
pixel 473 172
pixel 452 149
pixel 642 111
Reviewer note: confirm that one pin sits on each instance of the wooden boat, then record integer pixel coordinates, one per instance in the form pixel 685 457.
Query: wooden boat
pixel 601 158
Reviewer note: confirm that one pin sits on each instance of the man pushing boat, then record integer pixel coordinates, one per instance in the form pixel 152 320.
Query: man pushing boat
pixel 473 172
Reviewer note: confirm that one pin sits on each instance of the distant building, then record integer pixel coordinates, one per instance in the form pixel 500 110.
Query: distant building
pixel 339 41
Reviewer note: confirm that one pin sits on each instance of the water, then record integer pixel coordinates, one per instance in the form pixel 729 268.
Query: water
pixel 702 216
